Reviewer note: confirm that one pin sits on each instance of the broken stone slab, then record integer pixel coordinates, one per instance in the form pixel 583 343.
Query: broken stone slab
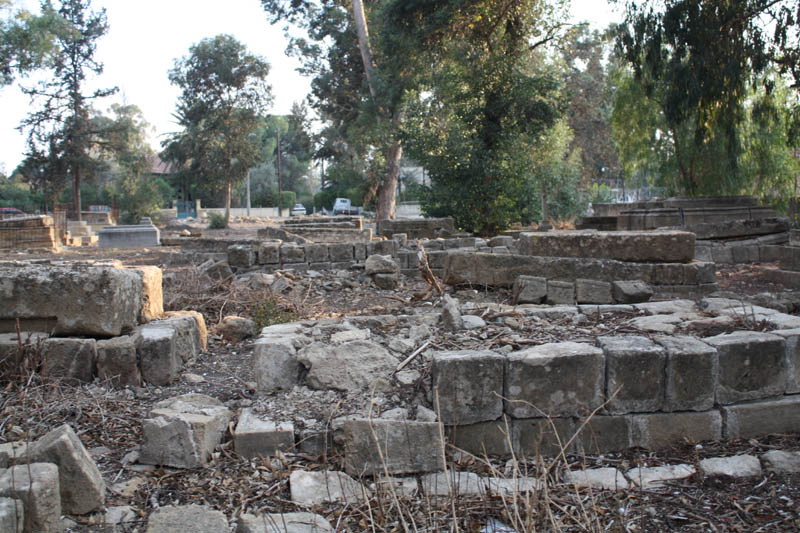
pixel 557 379
pixel 373 446
pixel 82 487
pixel 656 323
pixel 341 337
pixel 469 385
pixel 37 486
pixel 315 488
pixel 682 308
pixel 781 462
pixel 655 476
pixel 752 365
pixel 691 373
pixel 236 328
pixel 381 264
pixel 597 478
pixel 275 362
pixel 158 357
pixel 630 291
pixel 12 515
pixel 254 437
pixel 216 270
pixel 453 483
pixel 183 431
pixel 735 466
pixel 69 358
pixel 196 518
pixel 451 315
pixel 635 368
pixel 351 366
pixel 117 362
pixel 511 486
pixel 191 334
pixel 283 523
pixel 529 290
pixel 636 246
pixel 103 300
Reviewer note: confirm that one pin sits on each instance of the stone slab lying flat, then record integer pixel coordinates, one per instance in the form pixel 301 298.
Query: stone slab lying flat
pixel 195 518
pixel 653 477
pixel 283 523
pixel 314 488
pixel 598 478
pixel 781 462
pixel 655 246
pixel 735 466
pixel 254 437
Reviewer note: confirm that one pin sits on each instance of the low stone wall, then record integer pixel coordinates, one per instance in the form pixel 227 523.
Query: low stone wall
pixel 32 232
pixel 425 228
pixel 660 246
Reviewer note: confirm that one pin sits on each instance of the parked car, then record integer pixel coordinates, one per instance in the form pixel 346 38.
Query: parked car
pixel 343 206
pixel 10 212
pixel 298 209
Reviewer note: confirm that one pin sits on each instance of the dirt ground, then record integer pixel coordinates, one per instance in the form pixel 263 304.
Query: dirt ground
pixel 109 422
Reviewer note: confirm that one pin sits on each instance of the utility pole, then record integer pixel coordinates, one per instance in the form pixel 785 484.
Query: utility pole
pixel 248 192
pixel 280 184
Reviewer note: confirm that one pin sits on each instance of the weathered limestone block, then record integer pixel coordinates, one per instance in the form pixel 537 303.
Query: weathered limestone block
pixel 254 437
pixel 559 379
pixel 82 487
pixel 158 358
pixel 183 431
pixel 469 385
pixel 492 438
pixel 735 466
pixel 385 281
pixel 417 228
pixel 451 314
pixel 268 253
pixel 598 478
pixel 762 418
pixel 662 430
pixel 351 366
pixel 641 246
pixel 152 292
pixel 635 366
pixel 604 434
pixel 792 337
pixel 691 373
pixel 781 462
pixel 359 251
pixel 77 299
pixel 236 328
pixel 117 361
pixel 191 335
pixel 72 359
pixel 381 264
pixel 752 365
pixel 381 248
pixel 292 253
pixel 13 453
pixel 36 485
pixel 631 291
pixel 241 256
pixel 216 269
pixel 283 523
pixel 541 436
pixel 589 291
pixel 315 488
pixel 530 290
pixel 275 357
pixel 12 515
pixel 130 236
pixel 654 477
pixel 398 446
pixel 316 253
pixel 452 484
pixel 341 252
pixel 560 292
pixel 199 518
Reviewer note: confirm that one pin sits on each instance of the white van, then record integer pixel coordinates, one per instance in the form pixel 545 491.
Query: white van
pixel 342 206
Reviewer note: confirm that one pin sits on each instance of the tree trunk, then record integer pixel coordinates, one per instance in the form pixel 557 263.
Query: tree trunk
pixel 227 203
pixel 387 204
pixel 363 44
pixel 76 191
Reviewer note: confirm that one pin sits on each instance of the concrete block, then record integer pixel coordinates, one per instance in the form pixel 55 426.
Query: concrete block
pixel 36 485
pixel 691 373
pixel 268 253
pixel 117 361
pixel 560 292
pixel 395 446
pixel 254 437
pixel 792 337
pixel 67 358
pixel 603 434
pixel 762 418
pixel 292 253
pixel 341 252
pixel 183 431
pixel 530 290
pixel 275 361
pixel 12 515
pixel 158 359
pixel 241 256
pixel 316 253
pixel 559 379
pixel 198 518
pixel 545 437
pixel 82 487
pixel 469 384
pixel 663 430
pixel 752 365
pixel 631 292
pixel 588 291
pixel 635 367
pixel 484 438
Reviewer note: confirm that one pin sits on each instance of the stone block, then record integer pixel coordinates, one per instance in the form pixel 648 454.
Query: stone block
pixel 417 228
pixel 12 515
pixel 359 251
pixel 502 240
pixel 86 299
pixel 117 361
pixel 395 446
pixel 315 488
pixel 545 437
pixel 781 462
pixel 752 365
pixel 635 367
pixel 191 336
pixel 381 248
pixel 152 292
pixel 737 466
pixel 133 236
pixel 529 290
pixel 560 292
pixel 70 359
pixel 236 329
pixel 762 418
pixel 241 256
pixel 183 431
pixel 13 453
pixel 792 337
pixel 292 253
pixel 484 438
pixel 469 384
pixel 283 523
pixel 158 358
pixel 597 478
pixel 653 477
pixel 275 362
pixel 254 437
pixel 631 292
pixel 36 485
pixel 82 487
pixel 636 246
pixel 199 518
pixel 268 253
pixel 559 379
pixel 602 434
pixel 589 291
pixel 381 264
pixel 316 253
pixel 436 259
pixel 663 430
pixel 449 244
pixel 351 366
pixel 436 244
pixel 341 252
pixel 691 373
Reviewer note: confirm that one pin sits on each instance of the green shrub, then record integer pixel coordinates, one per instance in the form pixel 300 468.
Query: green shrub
pixel 288 199
pixel 268 312
pixel 216 221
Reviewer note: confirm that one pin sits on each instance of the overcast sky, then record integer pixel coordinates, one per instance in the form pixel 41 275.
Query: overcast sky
pixel 146 36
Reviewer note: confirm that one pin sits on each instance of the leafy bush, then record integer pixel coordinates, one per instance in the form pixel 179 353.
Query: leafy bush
pixel 288 199
pixel 325 199
pixel 268 312
pixel 216 221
